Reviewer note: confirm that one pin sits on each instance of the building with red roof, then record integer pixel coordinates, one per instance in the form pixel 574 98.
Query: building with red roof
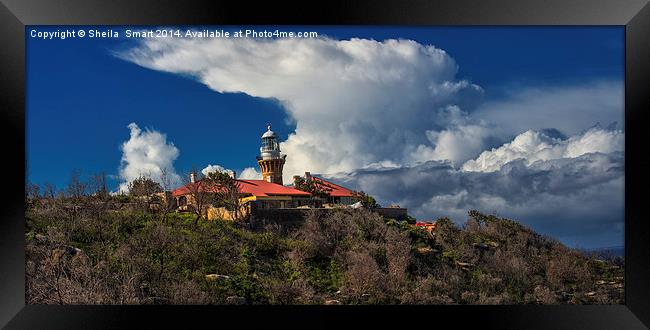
pixel 267 193
pixel 248 188
pixel 336 194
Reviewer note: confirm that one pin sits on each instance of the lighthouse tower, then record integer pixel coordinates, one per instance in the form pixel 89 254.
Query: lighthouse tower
pixel 270 159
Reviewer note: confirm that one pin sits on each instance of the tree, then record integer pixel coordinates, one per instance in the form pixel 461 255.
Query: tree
pixel 144 186
pixel 198 192
pixel 97 185
pixel 226 192
pixel 32 191
pixel 166 184
pixel 76 188
pixel 365 199
pixel 165 179
pixel 316 188
pixel 49 190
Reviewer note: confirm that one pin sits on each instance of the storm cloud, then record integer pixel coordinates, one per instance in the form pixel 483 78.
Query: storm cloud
pixel 576 199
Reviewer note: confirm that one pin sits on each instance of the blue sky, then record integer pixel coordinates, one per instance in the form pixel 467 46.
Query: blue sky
pixel 82 94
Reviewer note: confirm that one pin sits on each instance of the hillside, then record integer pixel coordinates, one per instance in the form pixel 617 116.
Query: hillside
pixel 91 252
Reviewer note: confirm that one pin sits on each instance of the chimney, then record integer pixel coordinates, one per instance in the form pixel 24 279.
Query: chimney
pixel 192 177
pixel 307 176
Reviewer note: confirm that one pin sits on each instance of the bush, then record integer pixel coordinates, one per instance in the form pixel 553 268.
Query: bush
pixel 98 255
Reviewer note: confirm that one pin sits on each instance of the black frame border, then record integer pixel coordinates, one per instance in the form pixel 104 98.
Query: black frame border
pixel 633 14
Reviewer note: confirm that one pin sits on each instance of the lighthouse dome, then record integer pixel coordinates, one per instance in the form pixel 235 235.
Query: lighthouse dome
pixel 269 133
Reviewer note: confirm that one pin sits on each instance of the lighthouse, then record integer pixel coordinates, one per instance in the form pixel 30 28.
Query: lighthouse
pixel 271 161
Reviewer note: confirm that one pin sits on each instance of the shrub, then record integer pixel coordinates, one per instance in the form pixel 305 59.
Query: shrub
pixel 84 252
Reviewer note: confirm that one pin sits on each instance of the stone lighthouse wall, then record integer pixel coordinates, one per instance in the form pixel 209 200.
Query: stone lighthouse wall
pixel 272 168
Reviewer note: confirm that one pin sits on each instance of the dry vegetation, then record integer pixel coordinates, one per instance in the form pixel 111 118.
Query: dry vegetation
pixel 102 250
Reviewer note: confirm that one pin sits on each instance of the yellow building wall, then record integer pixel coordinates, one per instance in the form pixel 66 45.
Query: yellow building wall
pixel 221 213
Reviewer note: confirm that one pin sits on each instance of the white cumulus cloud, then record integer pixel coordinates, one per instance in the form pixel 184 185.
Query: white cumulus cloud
pixel 147 153
pixel 250 173
pixel 215 168
pixel 461 138
pixel 354 102
pixel 533 146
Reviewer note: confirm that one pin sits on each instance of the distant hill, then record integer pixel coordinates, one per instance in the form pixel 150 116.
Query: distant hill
pixel 605 252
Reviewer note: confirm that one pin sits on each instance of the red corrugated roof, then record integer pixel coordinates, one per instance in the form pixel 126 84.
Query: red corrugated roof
pixel 337 191
pixel 265 188
pixel 259 188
